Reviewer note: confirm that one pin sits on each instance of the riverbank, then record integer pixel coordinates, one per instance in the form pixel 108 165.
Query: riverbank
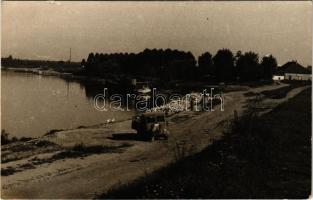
pixel 175 86
pixel 259 157
pixel 64 75
pixel 83 162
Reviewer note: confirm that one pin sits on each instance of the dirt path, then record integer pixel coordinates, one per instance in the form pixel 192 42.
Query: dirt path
pixel 85 177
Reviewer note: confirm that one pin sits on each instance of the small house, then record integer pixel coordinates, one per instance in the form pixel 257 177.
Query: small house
pixel 292 71
pixel 278 77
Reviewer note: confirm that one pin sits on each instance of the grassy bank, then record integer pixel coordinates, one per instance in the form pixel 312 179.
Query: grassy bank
pixel 283 91
pixel 259 157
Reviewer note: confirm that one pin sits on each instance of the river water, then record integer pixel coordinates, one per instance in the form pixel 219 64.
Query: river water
pixel 31 104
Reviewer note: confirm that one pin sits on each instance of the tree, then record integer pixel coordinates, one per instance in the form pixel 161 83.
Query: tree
pixel 206 64
pixel 83 63
pixel 224 65
pixel 247 66
pixel 269 66
pixel 4 137
pixel 90 64
pixel 90 58
pixel 309 67
pixel 168 64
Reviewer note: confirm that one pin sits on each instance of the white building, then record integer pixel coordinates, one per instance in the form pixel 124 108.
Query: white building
pixel 292 71
pixel 299 77
pixel 278 77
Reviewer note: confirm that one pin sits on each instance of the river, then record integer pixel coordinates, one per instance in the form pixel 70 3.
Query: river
pixel 31 104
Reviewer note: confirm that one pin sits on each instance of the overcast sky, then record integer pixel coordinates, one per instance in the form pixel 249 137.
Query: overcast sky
pixel 46 30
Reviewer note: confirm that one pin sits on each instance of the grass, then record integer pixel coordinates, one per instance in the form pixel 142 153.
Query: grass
pixel 80 150
pixel 53 131
pixel 257 83
pixel 265 156
pixel 77 151
pixel 282 92
pixel 23 149
pixel 8 171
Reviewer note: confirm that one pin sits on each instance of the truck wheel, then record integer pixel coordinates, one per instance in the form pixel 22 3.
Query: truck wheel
pixel 140 135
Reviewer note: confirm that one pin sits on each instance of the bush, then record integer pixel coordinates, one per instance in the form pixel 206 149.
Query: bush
pixel 4 137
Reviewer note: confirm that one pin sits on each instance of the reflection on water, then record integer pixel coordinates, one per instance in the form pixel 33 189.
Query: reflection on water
pixel 33 104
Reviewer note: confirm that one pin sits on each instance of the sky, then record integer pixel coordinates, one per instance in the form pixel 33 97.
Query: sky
pixel 47 30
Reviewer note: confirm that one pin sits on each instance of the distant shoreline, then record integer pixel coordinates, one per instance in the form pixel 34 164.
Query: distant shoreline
pixel 51 72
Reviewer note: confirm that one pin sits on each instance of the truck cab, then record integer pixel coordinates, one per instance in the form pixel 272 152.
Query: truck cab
pixel 152 125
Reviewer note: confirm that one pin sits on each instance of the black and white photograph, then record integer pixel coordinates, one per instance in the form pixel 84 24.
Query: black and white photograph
pixel 156 99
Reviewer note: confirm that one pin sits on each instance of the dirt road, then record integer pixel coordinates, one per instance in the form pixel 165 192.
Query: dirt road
pixel 86 176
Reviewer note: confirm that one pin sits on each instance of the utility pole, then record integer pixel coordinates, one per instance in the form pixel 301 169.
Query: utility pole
pixel 69 60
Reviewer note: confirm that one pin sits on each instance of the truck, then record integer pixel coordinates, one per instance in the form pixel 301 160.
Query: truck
pixel 151 125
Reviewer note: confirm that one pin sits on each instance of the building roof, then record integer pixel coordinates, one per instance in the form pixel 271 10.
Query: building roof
pixel 292 67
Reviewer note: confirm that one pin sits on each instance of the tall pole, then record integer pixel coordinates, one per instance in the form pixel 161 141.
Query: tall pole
pixel 70 55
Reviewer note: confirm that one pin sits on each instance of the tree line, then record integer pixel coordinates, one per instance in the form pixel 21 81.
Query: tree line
pixel 62 66
pixel 169 64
